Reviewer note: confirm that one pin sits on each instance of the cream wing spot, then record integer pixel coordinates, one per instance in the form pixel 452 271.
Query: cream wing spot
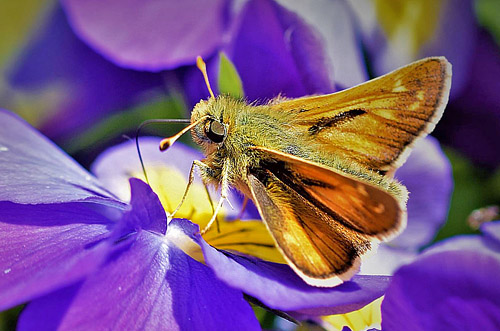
pixel 399 86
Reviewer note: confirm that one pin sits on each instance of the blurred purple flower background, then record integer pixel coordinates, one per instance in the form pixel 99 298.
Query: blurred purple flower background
pixel 87 72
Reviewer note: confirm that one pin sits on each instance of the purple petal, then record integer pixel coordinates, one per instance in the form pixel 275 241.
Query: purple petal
pixel 34 170
pixel 471 121
pixel 92 87
pixel 45 247
pixel 147 284
pixel 386 260
pixel 334 21
pixel 492 231
pixel 446 290
pixel 455 39
pixel 146 211
pixel 114 173
pixel 275 52
pixel 153 35
pixel 486 244
pixel 428 176
pixel 278 287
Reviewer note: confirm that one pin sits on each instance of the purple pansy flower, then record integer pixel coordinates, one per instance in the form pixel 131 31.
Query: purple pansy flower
pixel 427 174
pixel 397 34
pixel 91 87
pixel 453 285
pixel 84 258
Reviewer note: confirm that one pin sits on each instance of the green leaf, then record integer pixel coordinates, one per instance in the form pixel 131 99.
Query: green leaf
pixel 229 80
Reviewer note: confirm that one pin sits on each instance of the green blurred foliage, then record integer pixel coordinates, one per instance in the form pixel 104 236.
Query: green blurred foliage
pixel 473 188
pixel 19 22
pixel 8 318
pixel 229 79
pixel 488 15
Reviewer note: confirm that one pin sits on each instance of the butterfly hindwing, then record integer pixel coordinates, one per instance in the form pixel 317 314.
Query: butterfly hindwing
pixel 322 220
pixel 319 251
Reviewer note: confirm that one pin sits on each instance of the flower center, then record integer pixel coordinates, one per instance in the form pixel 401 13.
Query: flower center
pixel 249 237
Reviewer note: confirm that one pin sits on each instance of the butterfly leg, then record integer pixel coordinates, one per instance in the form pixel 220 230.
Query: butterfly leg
pixel 224 194
pixel 198 164
pixel 190 181
pixel 212 205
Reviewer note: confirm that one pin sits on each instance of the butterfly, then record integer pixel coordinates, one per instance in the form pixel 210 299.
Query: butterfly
pixel 319 168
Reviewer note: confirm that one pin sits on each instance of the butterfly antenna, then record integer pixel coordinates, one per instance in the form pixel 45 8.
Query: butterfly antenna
pixel 203 68
pixel 167 142
pixel 146 123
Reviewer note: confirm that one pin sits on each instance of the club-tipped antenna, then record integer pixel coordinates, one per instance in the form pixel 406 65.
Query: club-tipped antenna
pixel 203 68
pixel 167 142
pixel 146 123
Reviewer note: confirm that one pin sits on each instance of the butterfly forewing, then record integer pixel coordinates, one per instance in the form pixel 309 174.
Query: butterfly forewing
pixel 375 123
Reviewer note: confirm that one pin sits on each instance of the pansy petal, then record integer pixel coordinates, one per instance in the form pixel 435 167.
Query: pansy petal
pixel 485 244
pixel 461 285
pixel 86 85
pixel 152 35
pixel 334 21
pixel 146 211
pixel 386 260
pixel 272 42
pixel 34 170
pixel 492 231
pixel 250 237
pixel 114 173
pixel 168 173
pixel 428 176
pixel 45 247
pixel 471 121
pixel 278 287
pixel 147 284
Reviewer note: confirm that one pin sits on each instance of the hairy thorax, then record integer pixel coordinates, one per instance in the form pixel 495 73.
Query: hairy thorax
pixel 247 126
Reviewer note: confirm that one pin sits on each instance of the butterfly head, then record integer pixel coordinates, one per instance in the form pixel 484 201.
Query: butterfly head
pixel 212 129
pixel 212 116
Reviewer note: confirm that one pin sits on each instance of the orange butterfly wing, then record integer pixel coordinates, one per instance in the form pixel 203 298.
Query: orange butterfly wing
pixel 323 220
pixel 375 123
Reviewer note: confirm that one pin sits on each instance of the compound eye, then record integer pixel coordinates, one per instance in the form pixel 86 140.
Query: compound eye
pixel 215 131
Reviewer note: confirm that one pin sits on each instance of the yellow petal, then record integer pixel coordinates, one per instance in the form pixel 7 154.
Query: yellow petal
pixel 363 319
